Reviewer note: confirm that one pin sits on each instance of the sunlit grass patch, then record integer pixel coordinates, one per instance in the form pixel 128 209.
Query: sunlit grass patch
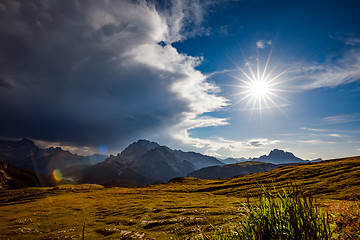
pixel 278 214
pixel 188 208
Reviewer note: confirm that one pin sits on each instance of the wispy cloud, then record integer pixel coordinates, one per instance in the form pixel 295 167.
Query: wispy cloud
pixel 336 135
pixel 314 129
pixel 350 39
pixel 221 72
pixel 216 146
pixel 344 118
pixel 325 133
pixel 345 69
pixel 185 18
pixel 353 41
pixel 316 142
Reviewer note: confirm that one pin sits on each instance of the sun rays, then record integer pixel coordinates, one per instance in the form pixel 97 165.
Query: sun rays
pixel 259 85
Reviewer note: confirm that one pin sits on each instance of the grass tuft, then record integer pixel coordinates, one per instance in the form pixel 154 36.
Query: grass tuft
pixel 289 214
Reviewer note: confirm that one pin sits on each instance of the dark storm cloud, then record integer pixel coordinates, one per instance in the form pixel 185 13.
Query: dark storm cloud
pixel 91 72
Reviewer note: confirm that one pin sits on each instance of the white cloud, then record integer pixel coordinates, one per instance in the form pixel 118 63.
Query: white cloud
pixel 345 69
pixel 80 150
pixel 185 18
pixel 316 142
pixel 344 118
pixel 349 39
pixel 261 142
pixel 116 83
pixel 314 129
pixel 352 41
pixel 336 135
pixel 262 43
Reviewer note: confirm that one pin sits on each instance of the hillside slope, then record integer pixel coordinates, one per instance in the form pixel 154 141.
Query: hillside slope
pixel 337 178
pixel 12 177
pixel 232 170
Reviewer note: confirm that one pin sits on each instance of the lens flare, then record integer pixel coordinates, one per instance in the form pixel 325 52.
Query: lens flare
pixel 103 149
pixel 57 174
pixel 259 85
pixel 93 159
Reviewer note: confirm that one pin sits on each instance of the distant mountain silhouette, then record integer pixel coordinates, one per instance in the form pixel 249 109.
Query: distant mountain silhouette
pixel 12 177
pixel 277 156
pixel 231 160
pixel 108 173
pixel 198 160
pixel 142 162
pixel 232 170
pixel 26 154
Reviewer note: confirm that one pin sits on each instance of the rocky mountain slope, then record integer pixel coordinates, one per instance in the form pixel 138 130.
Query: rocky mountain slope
pixel 161 162
pixel 14 177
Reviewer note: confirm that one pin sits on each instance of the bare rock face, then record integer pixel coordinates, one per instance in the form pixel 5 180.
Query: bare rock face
pixel 136 150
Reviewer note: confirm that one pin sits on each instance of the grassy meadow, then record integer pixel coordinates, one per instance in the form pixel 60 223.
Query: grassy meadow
pixel 185 208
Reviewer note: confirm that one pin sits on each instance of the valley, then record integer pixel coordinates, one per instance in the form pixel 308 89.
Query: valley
pixel 180 209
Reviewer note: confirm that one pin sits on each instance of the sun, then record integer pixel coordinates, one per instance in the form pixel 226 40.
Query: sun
pixel 259 86
pixel 259 89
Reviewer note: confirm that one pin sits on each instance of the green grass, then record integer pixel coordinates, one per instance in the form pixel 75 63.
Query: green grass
pixel 183 209
pixel 286 214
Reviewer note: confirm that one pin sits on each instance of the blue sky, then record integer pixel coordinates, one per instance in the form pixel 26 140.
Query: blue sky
pixel 84 74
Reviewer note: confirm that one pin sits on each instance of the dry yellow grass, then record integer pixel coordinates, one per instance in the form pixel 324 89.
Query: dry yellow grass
pixel 177 209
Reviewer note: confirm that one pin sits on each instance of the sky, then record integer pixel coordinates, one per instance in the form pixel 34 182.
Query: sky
pixel 223 78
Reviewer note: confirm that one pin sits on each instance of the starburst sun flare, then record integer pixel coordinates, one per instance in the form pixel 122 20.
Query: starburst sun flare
pixel 259 88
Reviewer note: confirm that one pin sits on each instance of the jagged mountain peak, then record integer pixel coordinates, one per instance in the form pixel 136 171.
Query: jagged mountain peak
pixel 137 149
pixel 277 156
pixel 278 153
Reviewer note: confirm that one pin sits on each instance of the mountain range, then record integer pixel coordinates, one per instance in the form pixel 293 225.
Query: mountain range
pixel 26 154
pixel 275 156
pixel 160 162
pixel 141 163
